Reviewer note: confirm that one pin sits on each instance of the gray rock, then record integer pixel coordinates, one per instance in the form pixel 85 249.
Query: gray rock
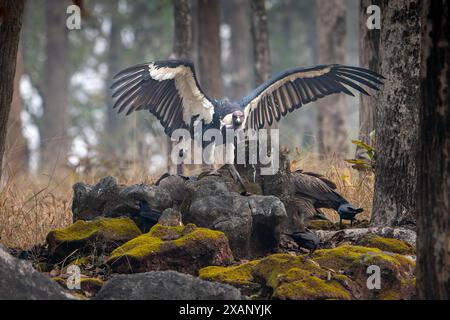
pixel 250 223
pixel 165 285
pixel 20 281
pixel 109 199
pixel 170 217
pixel 333 238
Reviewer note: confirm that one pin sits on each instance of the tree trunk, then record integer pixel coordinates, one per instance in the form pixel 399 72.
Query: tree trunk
pixel 55 142
pixel 209 47
pixel 262 66
pixel 241 77
pixel 397 114
pixel 260 35
pixel 11 12
pixel 182 48
pixel 433 166
pixel 369 51
pixel 114 136
pixel 183 29
pixel 332 112
pixel 16 146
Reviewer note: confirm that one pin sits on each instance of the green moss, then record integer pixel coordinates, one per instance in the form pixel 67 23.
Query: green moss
pixel 160 236
pixel 310 287
pixel 87 284
pixel 345 256
pixel 387 244
pixel 322 277
pixel 273 268
pixel 240 275
pixel 138 247
pixel 321 225
pixel 118 229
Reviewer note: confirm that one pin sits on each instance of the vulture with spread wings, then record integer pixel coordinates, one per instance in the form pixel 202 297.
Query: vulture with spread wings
pixel 169 90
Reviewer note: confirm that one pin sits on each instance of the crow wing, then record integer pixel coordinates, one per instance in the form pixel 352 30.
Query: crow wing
pixel 168 89
pixel 293 88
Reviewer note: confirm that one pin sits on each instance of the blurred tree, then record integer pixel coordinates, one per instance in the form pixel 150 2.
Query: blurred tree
pixel 369 51
pixel 236 16
pixel 55 141
pixel 397 113
pixel 182 49
pixel 332 112
pixel 182 46
pixel 114 135
pixel 11 12
pixel 16 159
pixel 260 40
pixel 209 47
pixel 433 167
pixel 292 44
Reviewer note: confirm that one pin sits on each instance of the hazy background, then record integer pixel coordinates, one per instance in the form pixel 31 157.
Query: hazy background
pixel 116 34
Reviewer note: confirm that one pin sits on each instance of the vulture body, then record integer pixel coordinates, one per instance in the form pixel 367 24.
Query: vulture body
pixel 322 193
pixel 169 90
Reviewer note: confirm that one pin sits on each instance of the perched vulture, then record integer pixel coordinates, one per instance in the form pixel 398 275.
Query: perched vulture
pixel 321 192
pixel 170 91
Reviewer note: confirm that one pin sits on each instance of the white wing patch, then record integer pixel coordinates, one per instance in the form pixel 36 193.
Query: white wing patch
pixel 302 74
pixel 193 100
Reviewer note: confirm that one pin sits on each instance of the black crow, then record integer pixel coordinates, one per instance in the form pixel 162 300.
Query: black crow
pixel 305 239
pixel 170 91
pixel 348 212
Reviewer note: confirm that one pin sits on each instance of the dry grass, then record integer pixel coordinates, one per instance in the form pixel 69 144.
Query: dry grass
pixel 31 206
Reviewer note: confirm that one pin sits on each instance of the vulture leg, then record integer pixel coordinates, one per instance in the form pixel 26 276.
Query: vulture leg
pixel 237 177
pixel 340 223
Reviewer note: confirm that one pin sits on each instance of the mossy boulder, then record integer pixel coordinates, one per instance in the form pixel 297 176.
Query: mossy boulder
pixel 102 235
pixel 339 273
pixel 387 244
pixel 240 276
pixel 181 248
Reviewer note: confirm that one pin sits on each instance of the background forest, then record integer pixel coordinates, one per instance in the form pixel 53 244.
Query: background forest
pixel 387 153
pixel 63 129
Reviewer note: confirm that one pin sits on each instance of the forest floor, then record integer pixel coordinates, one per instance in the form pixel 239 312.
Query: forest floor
pixel 31 206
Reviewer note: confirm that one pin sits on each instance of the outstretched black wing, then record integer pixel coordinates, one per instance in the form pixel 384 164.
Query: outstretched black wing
pixel 168 89
pixel 295 87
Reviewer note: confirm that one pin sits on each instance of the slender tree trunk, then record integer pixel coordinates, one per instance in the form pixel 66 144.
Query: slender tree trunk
pixel 209 47
pixel 262 66
pixel 114 134
pixel 183 29
pixel 332 112
pixel 11 12
pixel 433 167
pixel 183 49
pixel 369 51
pixel 55 142
pixel 397 114
pixel 260 35
pixel 16 146
pixel 241 72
